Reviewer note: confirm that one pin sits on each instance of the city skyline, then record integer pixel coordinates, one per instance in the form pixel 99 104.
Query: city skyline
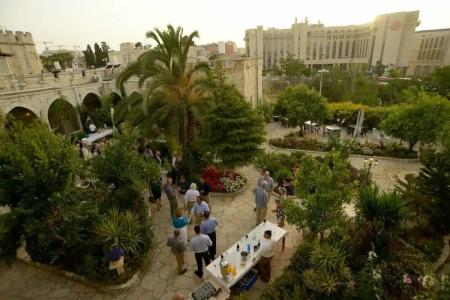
pixel 119 21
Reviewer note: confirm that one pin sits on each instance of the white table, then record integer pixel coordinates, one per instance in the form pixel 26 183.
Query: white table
pixel 96 136
pixel 234 257
pixel 333 128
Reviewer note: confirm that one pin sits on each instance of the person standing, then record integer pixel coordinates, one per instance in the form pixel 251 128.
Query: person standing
pixel 170 193
pixel 265 177
pixel 180 222
pixel 191 196
pixel 198 210
pixel 280 214
pixel 208 227
pixel 155 188
pixel 178 249
pixel 183 186
pixel 200 244
pixel 261 200
pixel 205 189
pixel 158 158
pixel 267 252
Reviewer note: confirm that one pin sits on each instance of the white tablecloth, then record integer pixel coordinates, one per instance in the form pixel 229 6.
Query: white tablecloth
pixel 234 257
pixel 96 136
pixel 333 128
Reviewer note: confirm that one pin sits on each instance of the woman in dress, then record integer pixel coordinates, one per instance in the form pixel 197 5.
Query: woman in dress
pixel 155 188
pixel 180 222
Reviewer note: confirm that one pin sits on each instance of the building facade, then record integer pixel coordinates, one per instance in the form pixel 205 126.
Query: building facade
pixel 18 54
pixel 431 49
pixel 387 39
pixel 128 53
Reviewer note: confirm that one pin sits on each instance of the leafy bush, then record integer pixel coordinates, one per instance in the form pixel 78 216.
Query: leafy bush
pixel 57 221
pixel 347 146
pixel 280 165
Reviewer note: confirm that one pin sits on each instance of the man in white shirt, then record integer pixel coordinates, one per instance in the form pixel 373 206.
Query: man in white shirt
pixel 267 252
pixel 191 196
pixel 200 244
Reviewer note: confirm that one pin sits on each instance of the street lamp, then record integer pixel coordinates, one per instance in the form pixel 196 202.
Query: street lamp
pixel 368 163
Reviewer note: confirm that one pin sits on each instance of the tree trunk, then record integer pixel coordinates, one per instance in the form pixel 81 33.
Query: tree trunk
pixel 190 129
pixel 411 145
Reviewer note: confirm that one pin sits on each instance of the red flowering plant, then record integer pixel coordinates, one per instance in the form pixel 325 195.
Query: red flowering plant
pixel 212 175
pixel 228 181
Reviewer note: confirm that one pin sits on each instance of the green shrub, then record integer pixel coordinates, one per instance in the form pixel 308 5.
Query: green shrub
pixel 285 287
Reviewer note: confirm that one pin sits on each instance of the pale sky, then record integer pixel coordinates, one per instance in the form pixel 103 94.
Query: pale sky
pixel 79 22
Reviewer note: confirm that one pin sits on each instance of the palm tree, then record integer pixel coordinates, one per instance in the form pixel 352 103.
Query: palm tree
pixel 381 214
pixel 172 88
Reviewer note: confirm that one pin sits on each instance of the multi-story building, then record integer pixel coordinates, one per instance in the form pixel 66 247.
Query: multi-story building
pixel 387 39
pixel 18 55
pixel 128 53
pixel 242 71
pixel 431 49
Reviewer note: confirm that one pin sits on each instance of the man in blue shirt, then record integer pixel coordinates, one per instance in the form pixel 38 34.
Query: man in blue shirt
pixel 261 200
pixel 208 227
pixel 199 208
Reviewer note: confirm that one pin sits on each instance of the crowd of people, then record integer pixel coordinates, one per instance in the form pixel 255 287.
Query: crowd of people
pixel 190 205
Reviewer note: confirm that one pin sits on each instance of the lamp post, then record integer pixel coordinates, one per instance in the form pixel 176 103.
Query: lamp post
pixel 321 73
pixel 368 163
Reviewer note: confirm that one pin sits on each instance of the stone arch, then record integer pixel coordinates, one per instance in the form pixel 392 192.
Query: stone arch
pixel 63 117
pixel 116 98
pixel 21 114
pixel 90 103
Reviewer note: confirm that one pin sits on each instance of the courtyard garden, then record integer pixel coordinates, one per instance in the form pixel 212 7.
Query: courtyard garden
pixel 92 217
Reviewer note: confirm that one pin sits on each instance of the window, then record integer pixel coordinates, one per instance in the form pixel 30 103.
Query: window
pixel 426 43
pixel 433 55
pixel 347 46
pixel 334 49
pixel 328 50
pixel 340 49
pixel 441 43
pixel 353 49
pixel 436 42
pixel 314 51
pixel 421 44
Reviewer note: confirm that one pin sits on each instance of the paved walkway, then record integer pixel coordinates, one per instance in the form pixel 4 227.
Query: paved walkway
pixel 236 217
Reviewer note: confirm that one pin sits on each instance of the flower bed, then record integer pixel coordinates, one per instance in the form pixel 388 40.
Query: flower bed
pixel 395 150
pixel 223 182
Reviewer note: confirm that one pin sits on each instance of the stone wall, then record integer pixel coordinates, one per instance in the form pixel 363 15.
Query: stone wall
pixel 22 56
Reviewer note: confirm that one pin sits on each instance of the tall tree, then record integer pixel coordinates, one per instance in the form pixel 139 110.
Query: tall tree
pixel 323 187
pixel 232 130
pixel 99 57
pixel 420 121
pixel 173 88
pixel 379 68
pixel 301 103
pixel 294 67
pixel 440 81
pixel 89 57
pixel 105 49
